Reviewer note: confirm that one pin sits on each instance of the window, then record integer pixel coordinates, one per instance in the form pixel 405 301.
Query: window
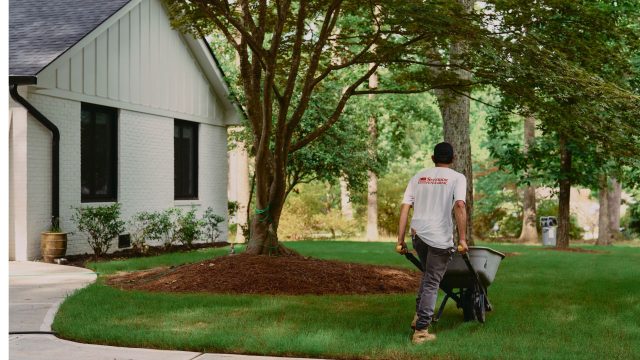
pixel 185 149
pixel 99 153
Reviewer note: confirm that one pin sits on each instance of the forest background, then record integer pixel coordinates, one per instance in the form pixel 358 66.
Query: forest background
pixel 555 105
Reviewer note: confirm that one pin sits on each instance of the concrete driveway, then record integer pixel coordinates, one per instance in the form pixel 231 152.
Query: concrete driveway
pixel 36 290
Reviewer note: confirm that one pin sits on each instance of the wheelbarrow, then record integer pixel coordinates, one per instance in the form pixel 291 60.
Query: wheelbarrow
pixel 466 281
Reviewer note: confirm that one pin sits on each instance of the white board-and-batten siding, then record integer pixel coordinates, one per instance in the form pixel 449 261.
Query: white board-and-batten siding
pixel 135 61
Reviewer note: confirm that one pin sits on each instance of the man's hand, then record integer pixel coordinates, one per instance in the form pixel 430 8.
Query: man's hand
pixel 401 247
pixel 463 248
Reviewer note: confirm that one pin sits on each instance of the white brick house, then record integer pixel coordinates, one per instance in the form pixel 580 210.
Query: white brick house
pixel 141 110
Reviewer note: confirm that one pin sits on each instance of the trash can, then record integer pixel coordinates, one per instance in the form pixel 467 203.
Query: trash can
pixel 549 225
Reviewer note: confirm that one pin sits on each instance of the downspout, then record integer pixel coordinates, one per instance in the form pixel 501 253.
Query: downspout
pixel 55 148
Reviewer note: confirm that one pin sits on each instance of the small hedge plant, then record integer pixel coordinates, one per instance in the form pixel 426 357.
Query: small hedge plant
pixel 172 226
pixel 101 223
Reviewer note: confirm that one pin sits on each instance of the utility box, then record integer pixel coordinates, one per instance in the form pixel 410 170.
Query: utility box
pixel 549 225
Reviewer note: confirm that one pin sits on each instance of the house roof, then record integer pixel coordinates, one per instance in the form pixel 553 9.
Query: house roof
pixel 40 31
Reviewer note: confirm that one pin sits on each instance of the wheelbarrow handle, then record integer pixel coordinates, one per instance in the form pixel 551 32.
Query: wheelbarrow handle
pixel 414 260
pixel 467 261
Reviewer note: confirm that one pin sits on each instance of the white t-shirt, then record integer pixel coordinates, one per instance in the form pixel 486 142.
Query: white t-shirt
pixel 432 193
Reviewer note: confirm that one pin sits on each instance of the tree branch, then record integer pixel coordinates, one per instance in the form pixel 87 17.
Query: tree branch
pixel 327 26
pixel 336 113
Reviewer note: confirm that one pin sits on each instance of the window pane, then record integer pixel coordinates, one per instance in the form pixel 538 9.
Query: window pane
pixel 86 158
pixel 185 160
pixel 98 153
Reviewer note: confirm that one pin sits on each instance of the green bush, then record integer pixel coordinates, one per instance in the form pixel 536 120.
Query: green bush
pixel 188 227
pixel 334 222
pixel 313 209
pixel 210 222
pixel 138 227
pixel 296 220
pixel 159 225
pixel 101 223
pixel 631 220
pixel 232 208
pixel 391 189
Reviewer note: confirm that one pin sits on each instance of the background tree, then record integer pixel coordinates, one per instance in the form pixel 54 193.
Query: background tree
pixel 287 51
pixel 529 233
pixel 566 63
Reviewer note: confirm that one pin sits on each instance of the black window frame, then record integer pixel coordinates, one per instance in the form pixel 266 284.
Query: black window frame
pixel 194 126
pixel 113 195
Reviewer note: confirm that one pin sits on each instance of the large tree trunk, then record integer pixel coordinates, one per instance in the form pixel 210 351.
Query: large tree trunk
pixel 372 187
pixel 455 109
pixel 345 199
pixel 455 116
pixel 529 233
pixel 603 213
pixel 614 198
pixel 565 195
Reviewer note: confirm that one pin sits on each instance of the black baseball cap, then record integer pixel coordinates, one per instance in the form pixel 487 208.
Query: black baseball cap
pixel 443 153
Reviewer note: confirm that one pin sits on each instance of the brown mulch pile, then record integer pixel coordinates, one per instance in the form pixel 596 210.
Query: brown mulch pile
pixel 258 274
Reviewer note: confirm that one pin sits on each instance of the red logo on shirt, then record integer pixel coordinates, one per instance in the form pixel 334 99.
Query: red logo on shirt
pixel 434 181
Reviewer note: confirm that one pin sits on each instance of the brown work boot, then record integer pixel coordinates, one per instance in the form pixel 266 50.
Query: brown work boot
pixel 415 320
pixel 420 336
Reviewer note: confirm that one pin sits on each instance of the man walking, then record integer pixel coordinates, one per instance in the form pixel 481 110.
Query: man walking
pixel 433 193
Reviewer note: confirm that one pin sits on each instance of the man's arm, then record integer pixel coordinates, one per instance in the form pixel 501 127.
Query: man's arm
pixel 402 226
pixel 460 211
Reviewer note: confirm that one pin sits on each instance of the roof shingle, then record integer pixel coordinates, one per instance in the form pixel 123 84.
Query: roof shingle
pixel 42 30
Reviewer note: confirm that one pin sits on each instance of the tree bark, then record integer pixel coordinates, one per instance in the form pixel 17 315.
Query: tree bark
pixel 614 200
pixel 603 213
pixel 455 108
pixel 345 199
pixel 529 233
pixel 564 198
pixel 372 186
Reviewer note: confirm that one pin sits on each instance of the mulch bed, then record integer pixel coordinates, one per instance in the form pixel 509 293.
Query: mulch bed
pixel 82 259
pixel 259 274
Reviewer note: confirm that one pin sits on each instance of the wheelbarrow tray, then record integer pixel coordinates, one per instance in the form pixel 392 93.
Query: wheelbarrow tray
pixel 484 260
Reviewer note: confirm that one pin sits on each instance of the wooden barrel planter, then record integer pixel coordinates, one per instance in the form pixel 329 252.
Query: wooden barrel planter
pixel 53 245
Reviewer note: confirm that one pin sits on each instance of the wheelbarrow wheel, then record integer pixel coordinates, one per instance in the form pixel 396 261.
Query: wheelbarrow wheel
pixel 479 306
pixel 466 300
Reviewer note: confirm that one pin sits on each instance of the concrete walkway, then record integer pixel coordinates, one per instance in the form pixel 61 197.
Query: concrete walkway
pixel 36 290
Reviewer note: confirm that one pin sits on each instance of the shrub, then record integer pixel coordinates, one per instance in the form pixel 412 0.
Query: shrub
pixel 188 227
pixel 391 189
pixel 631 220
pixel 296 221
pixel 138 226
pixel 101 223
pixel 232 208
pixel 210 222
pixel 159 225
pixel 334 222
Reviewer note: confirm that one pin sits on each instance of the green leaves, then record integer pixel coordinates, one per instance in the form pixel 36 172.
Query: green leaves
pixel 101 223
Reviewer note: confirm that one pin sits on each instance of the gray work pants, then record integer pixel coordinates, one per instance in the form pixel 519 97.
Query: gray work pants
pixel 435 262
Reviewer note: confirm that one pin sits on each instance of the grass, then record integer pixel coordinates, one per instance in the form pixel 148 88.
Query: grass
pixel 143 263
pixel 548 305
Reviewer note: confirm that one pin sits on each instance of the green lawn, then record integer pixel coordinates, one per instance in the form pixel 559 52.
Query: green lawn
pixel 143 263
pixel 548 305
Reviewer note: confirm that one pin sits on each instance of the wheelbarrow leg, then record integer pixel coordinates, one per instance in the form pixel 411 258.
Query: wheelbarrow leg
pixel 441 310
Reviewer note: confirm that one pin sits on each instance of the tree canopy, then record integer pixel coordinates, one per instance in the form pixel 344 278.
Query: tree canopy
pixel 572 64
